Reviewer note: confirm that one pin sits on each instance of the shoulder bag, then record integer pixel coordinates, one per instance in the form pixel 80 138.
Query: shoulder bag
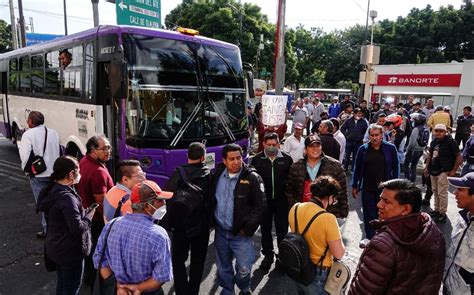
pixel 106 286
pixel 36 164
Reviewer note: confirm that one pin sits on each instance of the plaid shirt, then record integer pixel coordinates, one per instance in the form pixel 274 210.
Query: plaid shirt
pixel 137 249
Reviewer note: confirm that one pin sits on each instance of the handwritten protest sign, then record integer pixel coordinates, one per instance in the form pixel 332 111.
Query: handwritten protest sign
pixel 273 109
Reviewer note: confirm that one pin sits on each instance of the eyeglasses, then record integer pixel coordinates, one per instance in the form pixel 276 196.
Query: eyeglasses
pixel 139 175
pixel 105 149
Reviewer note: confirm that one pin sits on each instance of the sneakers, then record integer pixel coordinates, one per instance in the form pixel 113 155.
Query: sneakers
pixel 41 234
pixel 364 243
pixel 440 218
pixel 425 202
pixel 267 262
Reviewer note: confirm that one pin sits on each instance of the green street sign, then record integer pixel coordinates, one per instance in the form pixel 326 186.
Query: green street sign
pixel 141 13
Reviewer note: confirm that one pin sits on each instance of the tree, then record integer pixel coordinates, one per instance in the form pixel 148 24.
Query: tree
pixel 5 37
pixel 220 19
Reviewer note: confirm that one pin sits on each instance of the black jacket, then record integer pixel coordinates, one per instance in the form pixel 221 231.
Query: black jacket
pixel 69 230
pixel 249 199
pixel 464 125
pixel 274 174
pixel 330 146
pixel 200 175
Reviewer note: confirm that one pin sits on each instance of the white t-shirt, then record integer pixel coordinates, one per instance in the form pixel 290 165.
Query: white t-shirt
pixel 341 139
pixel 300 115
pixel 294 148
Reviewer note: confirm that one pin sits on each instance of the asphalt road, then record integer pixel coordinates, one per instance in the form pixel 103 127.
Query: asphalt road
pixel 21 262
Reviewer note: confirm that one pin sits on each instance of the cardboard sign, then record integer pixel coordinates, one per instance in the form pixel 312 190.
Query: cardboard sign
pixel 273 109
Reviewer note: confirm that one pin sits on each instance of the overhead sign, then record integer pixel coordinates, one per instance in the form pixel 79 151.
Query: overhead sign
pixel 141 13
pixel 274 109
pixel 425 80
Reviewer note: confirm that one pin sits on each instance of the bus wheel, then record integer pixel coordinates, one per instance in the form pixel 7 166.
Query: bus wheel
pixel 73 150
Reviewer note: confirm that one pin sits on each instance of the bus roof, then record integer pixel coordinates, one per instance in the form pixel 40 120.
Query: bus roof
pixel 107 29
pixel 326 90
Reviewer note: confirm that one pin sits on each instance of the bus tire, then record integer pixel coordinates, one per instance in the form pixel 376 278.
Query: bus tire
pixel 74 151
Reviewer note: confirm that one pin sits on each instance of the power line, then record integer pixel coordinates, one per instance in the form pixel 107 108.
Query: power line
pixel 57 15
pixel 418 49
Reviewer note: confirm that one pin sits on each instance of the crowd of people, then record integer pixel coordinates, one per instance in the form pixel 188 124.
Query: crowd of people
pixel 133 237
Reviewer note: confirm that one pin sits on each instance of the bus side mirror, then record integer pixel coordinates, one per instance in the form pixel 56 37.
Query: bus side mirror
pixel 251 91
pixel 3 82
pixel 118 79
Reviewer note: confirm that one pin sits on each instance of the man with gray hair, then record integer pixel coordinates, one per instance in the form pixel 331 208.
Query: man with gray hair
pixel 39 141
pixel 330 145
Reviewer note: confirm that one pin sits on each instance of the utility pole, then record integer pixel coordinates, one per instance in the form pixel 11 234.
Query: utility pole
pixel 95 11
pixel 366 23
pixel 279 70
pixel 22 24
pixel 65 17
pixel 13 25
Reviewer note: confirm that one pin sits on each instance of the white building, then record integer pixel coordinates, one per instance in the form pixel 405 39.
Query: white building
pixel 449 84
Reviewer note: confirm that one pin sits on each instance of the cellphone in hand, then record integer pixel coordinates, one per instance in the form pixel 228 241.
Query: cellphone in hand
pixel 93 206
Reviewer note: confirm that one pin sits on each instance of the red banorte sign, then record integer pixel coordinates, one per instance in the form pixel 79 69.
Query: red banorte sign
pixel 427 80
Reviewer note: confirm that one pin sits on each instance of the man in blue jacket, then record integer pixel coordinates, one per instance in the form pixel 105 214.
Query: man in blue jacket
pixel 376 162
pixel 354 130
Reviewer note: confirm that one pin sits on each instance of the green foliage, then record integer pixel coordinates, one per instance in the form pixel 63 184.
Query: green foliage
pixel 5 37
pixel 318 59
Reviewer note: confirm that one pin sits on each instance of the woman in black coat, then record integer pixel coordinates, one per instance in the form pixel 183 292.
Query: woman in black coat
pixel 68 239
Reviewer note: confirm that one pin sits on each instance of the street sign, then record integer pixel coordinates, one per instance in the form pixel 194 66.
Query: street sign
pixel 142 13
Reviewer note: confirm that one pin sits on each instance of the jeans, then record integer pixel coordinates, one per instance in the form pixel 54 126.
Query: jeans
pixel 181 245
pixel 411 161
pixel 369 208
pixel 90 272
pixel 316 287
pixel 278 211
pixel 69 278
pixel 37 184
pixel 351 149
pixel 228 247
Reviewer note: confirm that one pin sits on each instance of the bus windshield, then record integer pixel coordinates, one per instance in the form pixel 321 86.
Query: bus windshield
pixel 183 88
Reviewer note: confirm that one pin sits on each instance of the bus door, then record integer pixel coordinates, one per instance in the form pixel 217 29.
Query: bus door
pixel 111 113
pixel 4 118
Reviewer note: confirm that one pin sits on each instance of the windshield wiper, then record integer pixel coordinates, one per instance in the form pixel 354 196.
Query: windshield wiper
pixel 186 124
pixel 221 119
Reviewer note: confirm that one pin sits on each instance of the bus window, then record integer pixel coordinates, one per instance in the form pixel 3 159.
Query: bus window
pixel 13 77
pixel 72 74
pixel 37 74
pixel 25 76
pixel 89 71
pixel 52 78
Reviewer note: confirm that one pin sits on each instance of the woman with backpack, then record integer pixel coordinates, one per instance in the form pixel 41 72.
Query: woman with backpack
pixel 416 144
pixel 68 240
pixel 323 237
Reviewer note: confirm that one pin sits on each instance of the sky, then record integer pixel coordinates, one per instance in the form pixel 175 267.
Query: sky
pixel 48 18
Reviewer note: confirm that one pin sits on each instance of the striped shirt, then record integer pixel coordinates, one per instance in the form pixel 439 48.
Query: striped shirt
pixel 137 249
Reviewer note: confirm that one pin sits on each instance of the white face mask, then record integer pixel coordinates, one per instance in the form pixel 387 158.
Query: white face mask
pixel 159 213
pixel 77 179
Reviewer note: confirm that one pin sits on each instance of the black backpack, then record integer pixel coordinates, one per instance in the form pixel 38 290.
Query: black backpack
pixel 423 136
pixel 294 256
pixel 186 207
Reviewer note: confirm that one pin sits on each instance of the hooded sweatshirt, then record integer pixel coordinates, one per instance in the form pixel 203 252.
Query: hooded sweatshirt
pixel 69 230
pixel 406 256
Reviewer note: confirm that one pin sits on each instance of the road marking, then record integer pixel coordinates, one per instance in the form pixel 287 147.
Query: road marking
pixel 10 165
pixel 13 177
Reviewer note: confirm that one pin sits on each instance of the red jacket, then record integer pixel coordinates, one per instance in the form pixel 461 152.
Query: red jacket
pixel 406 256
pixel 262 130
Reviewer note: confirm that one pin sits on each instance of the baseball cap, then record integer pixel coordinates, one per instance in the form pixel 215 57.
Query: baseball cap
pixel 313 138
pixel 440 127
pixel 467 181
pixel 146 190
pixel 299 126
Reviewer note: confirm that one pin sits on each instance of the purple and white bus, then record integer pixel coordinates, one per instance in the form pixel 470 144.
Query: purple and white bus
pixel 151 92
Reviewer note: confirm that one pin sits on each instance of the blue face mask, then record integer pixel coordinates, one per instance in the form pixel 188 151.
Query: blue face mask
pixel 271 151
